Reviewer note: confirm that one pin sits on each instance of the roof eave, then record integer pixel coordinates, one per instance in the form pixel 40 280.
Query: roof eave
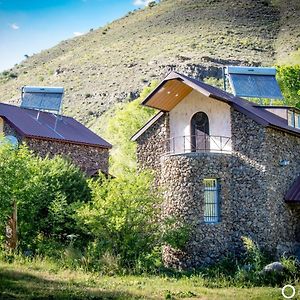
pixel 64 141
pixel 146 126
pixel 293 132
pixel 19 130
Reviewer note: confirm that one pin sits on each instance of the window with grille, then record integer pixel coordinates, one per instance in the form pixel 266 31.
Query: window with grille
pixel 211 201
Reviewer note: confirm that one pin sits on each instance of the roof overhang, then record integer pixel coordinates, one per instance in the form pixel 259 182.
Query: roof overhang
pixel 173 89
pixel 293 195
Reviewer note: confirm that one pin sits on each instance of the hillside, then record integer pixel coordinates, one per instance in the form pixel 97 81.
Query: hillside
pixel 113 63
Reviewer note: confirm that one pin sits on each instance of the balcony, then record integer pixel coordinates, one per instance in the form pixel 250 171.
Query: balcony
pixel 199 144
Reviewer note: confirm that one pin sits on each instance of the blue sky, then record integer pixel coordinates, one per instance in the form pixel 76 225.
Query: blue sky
pixel 27 27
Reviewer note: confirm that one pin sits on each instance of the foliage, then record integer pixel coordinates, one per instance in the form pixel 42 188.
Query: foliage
pixel 58 188
pixel 254 255
pixel 14 187
pixel 118 125
pixel 122 217
pixel 248 269
pixel 175 233
pixel 108 225
pixel 289 80
pixel 46 191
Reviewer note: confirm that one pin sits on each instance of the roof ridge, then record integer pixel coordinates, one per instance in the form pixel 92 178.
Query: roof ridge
pixel 246 107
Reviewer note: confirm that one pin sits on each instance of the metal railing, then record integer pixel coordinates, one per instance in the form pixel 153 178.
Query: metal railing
pixel 198 143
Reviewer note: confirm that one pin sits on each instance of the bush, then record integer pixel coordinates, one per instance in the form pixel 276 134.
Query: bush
pixel 122 218
pixel 247 270
pixel 47 192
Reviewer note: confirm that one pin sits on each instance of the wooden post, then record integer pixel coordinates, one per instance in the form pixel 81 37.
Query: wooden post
pixel 12 229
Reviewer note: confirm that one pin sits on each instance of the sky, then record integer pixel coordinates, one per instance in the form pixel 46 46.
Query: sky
pixel 29 26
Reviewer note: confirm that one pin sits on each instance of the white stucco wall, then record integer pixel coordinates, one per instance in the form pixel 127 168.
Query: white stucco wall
pixel 218 114
pixel 281 112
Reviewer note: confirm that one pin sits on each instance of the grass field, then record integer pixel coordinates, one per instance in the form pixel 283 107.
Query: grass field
pixel 46 281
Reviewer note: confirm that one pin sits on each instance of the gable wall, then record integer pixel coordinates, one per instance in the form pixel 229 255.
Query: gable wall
pixel 243 198
pixel 253 186
pixel 153 144
pixel 217 111
pixel 281 112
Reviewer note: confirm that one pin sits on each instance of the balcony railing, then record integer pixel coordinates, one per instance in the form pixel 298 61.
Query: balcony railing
pixel 199 143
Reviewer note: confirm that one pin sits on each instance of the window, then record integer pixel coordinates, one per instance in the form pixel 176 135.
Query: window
pixel 291 118
pixel 199 132
pixel 297 121
pixel 211 201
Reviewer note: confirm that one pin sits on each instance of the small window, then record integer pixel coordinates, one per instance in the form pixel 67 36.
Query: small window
pixel 297 119
pixel 291 118
pixel 211 201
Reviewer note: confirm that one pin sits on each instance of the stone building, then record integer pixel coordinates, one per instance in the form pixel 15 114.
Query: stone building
pixel 228 167
pixel 49 134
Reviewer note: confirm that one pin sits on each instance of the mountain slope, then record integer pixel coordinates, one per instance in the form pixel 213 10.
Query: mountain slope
pixel 113 63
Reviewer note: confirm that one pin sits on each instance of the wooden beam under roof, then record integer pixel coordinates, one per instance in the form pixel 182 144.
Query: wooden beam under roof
pixel 169 95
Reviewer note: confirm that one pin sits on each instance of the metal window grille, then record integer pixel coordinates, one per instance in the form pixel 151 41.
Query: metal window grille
pixel 211 201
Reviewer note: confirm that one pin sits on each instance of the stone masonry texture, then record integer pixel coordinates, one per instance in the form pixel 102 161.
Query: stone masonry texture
pixel 253 185
pixel 85 157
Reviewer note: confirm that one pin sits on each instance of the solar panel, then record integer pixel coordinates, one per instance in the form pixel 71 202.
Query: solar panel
pixel 42 98
pixel 254 82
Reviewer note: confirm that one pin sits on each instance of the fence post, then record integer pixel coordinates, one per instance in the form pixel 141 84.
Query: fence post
pixel 221 144
pixel 173 145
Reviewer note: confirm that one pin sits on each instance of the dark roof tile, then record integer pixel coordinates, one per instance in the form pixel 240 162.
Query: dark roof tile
pixel 49 126
pixel 293 195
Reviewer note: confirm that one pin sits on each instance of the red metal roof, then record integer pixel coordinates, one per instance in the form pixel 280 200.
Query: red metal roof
pixel 250 109
pixel 43 125
pixel 293 195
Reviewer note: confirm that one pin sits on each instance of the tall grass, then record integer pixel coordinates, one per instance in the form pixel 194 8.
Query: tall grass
pixel 246 271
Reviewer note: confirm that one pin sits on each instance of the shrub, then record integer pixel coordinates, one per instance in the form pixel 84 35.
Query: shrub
pixel 253 256
pixel 46 192
pixel 122 218
pixel 14 185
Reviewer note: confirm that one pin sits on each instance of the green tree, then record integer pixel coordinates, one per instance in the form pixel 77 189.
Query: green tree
pixel 14 184
pixel 122 217
pixel 289 81
pixel 119 124
pixel 46 192
pixel 58 187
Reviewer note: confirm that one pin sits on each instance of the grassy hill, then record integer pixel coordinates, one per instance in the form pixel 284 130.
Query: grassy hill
pixel 113 63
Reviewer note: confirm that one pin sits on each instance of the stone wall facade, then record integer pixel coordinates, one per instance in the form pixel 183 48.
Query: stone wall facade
pixel 153 144
pixel 253 185
pixel 86 157
pixel 9 130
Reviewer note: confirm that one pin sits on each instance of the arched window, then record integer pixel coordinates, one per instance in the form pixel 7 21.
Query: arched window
pixel 199 132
